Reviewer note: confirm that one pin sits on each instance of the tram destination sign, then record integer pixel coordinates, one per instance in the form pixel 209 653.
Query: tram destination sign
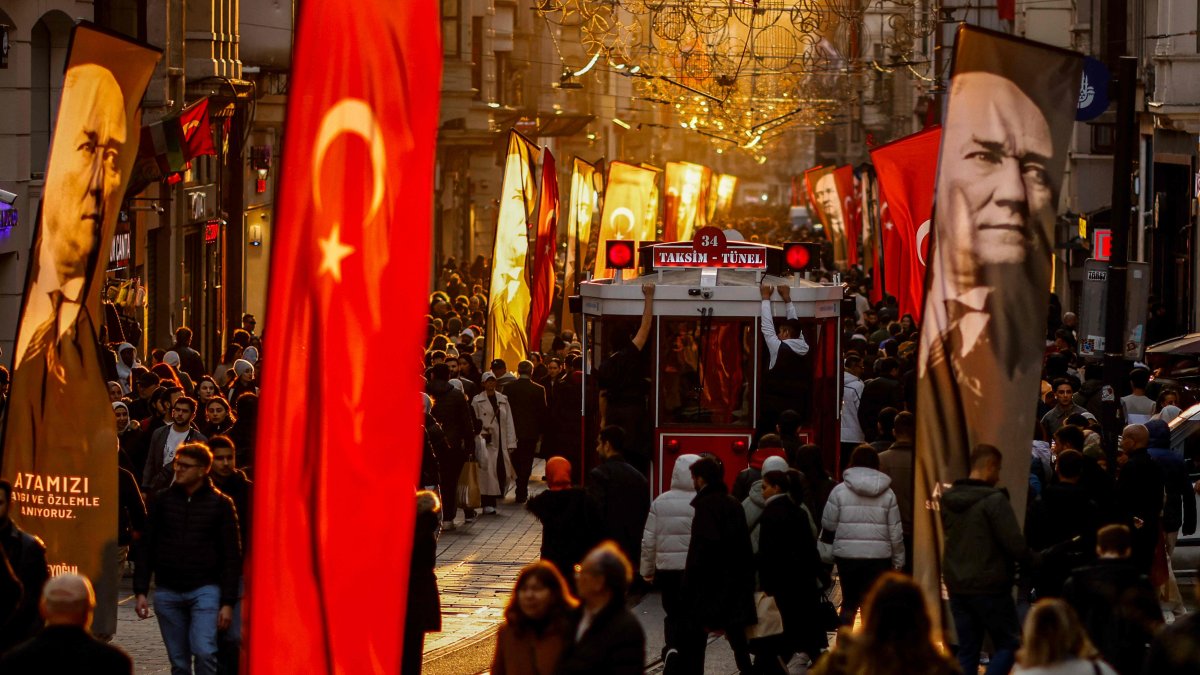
pixel 709 249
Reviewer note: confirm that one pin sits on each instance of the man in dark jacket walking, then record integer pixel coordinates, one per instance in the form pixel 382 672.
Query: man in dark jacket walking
pixel 884 391
pixel 1062 525
pixel 622 492
pixel 233 483
pixel 719 572
pixel 608 638
pixel 1140 491
pixel 897 463
pixel 190 360
pixel 527 400
pixel 983 541
pixel 193 551
pixel 452 410
pixel 27 557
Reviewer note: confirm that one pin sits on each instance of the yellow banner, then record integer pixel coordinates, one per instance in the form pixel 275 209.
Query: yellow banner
pixel 630 208
pixel 726 188
pixel 579 228
pixel 508 294
pixel 685 193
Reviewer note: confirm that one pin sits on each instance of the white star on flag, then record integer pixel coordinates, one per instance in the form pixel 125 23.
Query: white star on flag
pixel 332 252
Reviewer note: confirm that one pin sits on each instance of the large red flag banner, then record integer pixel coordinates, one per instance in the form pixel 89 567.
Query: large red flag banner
pixel 843 179
pixel 544 255
pixel 334 502
pixel 60 443
pixel 822 189
pixel 509 300
pixel 906 169
pixel 579 226
pixel 630 204
pixel 1010 113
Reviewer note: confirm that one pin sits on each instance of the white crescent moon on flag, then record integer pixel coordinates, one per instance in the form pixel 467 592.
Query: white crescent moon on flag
pixel 622 211
pixel 922 234
pixel 352 116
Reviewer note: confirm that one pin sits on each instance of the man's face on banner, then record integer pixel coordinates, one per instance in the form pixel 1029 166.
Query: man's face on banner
pixel 827 198
pixel 82 183
pixel 996 185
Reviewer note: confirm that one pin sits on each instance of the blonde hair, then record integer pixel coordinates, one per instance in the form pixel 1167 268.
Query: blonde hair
pixel 1053 633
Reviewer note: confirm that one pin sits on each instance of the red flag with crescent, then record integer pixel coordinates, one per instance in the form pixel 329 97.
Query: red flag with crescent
pixel 544 253
pixel 334 500
pixel 843 176
pixel 907 169
pixel 197 130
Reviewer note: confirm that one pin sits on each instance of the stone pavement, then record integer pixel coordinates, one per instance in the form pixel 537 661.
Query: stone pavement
pixel 139 638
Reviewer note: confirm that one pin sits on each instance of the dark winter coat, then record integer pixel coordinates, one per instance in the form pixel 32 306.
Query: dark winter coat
pixel 624 498
pixel 1180 508
pixel 452 410
pixel 191 541
pixel 27 558
pixel 613 645
pixel 1176 648
pixel 718 576
pixel 424 606
pixel 877 394
pixel 572 525
pixel 789 568
pixel 527 400
pixel 983 539
pixel 1119 608
pixel 1141 491
pixel 66 649
pixel 131 508
pixel 1062 524
pixel 237 487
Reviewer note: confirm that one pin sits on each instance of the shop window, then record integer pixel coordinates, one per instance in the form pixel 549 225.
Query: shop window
pixel 705 372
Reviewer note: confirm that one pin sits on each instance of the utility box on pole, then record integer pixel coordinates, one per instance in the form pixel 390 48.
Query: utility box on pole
pixel 1093 312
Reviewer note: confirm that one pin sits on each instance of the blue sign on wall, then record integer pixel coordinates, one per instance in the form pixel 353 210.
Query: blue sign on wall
pixel 1093 90
pixel 8 218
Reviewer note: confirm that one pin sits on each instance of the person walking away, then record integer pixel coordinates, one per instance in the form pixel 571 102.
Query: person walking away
pixel 527 399
pixel 452 410
pixel 896 637
pixel 66 645
pixel 1062 525
pixel 193 552
pixel 190 361
pixel 665 542
pixel 27 558
pixel 572 523
pixel 621 491
pixel 497 439
pixel 424 611
pixel 818 484
pixel 852 389
pixel 897 463
pixel 880 392
pixel 608 638
pixel 624 388
pixel 718 575
pixel 1141 489
pixel 789 568
pixel 1137 408
pixel 1116 602
pixel 769 445
pixel 1179 511
pixel 862 523
pixel 785 366
pixel 537 623
pixel 1055 643
pixel 983 545
pixel 755 502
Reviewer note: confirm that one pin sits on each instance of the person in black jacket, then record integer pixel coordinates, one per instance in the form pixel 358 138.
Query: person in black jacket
pixel 718 574
pixel 789 568
pixel 233 483
pixel 622 492
pixel 424 613
pixel 27 557
pixel 452 410
pixel 65 645
pixel 1062 524
pixel 1115 601
pixel 192 549
pixel 608 638
pixel 1140 490
pixel 527 400
pixel 571 520
pixel 884 391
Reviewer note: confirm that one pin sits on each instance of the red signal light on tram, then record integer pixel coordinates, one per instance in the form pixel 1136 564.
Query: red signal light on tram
pixel 739 447
pixel 673 446
pixel 619 254
pixel 801 256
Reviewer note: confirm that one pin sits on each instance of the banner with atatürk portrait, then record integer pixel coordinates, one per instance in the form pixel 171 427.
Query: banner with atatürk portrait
pixel 60 441
pixel 508 294
pixel 630 208
pixel 823 195
pixel 1004 145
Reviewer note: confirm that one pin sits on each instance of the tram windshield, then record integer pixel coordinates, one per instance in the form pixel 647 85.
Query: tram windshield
pixel 706 374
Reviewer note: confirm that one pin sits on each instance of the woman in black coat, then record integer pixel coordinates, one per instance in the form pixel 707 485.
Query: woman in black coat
pixel 572 523
pixel 789 568
pixel 424 613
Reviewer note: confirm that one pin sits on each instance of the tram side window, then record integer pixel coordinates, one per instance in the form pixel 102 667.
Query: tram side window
pixel 705 374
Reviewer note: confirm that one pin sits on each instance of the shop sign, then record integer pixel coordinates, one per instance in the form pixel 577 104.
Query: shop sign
pixel 710 249
pixel 118 255
pixel 212 231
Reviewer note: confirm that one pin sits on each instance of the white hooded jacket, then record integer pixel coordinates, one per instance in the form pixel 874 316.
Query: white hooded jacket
pixel 669 525
pixel 864 517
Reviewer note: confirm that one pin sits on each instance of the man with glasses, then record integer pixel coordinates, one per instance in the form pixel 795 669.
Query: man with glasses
pixel 607 637
pixel 157 474
pixel 192 550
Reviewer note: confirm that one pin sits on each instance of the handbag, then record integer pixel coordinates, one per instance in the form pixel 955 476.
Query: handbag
pixel 770 621
pixel 468 485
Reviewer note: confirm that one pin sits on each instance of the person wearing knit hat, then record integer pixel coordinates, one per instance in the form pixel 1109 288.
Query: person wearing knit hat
pixel 243 380
pixel 755 502
pixel 571 520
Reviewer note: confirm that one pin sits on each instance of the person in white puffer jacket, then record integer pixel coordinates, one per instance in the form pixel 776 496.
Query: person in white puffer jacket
pixel 862 522
pixel 665 543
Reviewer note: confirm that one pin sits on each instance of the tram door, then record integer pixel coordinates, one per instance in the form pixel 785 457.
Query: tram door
pixel 606 337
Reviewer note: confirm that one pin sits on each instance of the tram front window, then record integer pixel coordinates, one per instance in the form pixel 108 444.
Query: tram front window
pixel 705 372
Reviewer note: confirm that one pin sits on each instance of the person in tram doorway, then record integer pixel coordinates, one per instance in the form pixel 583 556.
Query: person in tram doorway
pixel 785 347
pixel 623 388
pixel 496 440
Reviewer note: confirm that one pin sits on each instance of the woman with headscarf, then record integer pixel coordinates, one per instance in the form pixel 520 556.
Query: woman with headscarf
pixel 128 439
pixel 497 438
pixel 115 392
pixel 572 523
pixel 126 361
pixel 244 382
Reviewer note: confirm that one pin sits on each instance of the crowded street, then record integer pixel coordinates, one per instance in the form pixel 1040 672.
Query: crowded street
pixel 599 337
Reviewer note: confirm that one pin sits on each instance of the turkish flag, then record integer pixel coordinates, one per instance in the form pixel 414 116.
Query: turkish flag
pixel 843 176
pixel 544 253
pixel 197 130
pixel 1006 9
pixel 334 500
pixel 906 169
